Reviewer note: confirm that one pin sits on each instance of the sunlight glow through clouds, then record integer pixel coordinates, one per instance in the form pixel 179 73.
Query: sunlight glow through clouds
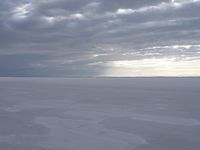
pixel 151 61
pixel 153 67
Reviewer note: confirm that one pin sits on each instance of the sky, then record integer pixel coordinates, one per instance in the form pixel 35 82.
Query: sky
pixel 60 38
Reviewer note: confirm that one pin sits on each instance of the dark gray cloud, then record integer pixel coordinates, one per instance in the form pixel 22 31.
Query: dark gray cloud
pixel 85 37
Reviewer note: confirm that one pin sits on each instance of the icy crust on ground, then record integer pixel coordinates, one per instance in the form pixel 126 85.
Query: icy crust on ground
pixel 100 114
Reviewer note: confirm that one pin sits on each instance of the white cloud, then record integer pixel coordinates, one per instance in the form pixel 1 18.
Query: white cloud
pixel 121 11
pixel 175 4
pixel 21 11
pixel 76 16
pixel 50 19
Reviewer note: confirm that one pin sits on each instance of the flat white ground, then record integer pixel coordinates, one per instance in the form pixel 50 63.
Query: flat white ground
pixel 100 114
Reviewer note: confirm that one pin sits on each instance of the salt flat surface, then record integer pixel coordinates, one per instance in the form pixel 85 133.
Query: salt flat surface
pixel 100 114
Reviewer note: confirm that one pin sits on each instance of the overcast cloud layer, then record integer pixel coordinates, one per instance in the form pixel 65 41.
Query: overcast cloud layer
pixel 99 37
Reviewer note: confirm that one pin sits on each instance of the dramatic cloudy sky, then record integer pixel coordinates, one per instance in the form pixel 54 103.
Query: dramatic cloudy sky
pixel 99 37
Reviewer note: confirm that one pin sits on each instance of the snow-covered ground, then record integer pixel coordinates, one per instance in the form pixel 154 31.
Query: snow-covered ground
pixel 100 114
